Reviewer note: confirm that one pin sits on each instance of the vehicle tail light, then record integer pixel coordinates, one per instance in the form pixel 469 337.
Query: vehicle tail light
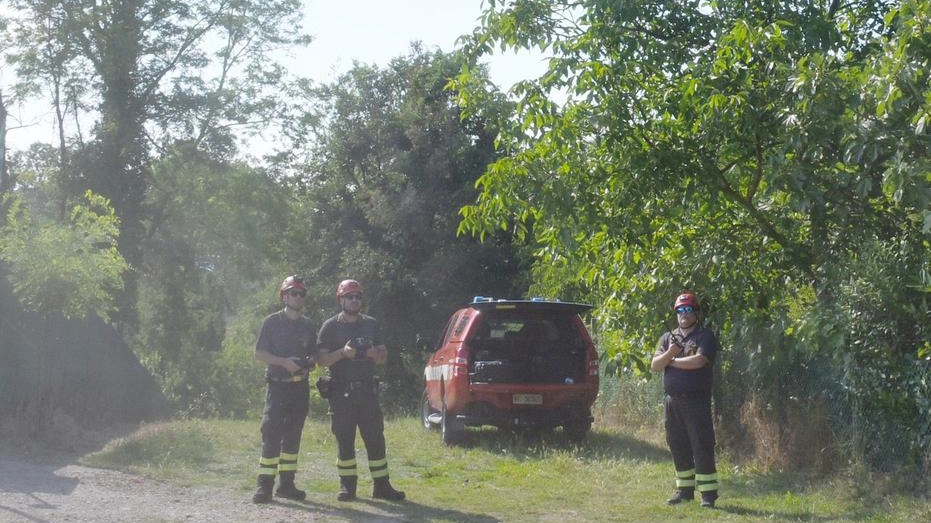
pixel 593 368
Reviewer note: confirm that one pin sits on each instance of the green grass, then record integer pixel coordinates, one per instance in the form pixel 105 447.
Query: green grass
pixel 495 476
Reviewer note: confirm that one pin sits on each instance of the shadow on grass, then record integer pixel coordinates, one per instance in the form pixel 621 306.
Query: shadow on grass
pixel 61 445
pixel 406 511
pixel 792 485
pixel 528 445
pixel 794 515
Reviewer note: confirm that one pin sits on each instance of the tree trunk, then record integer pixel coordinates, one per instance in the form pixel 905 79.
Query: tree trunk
pixel 118 170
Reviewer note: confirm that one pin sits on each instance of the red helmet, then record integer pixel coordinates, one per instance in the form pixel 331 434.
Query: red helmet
pixel 348 286
pixel 687 298
pixel 291 282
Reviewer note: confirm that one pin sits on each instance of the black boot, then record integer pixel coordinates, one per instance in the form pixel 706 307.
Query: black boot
pixel 384 490
pixel 286 488
pixel 347 488
pixel 263 489
pixel 683 494
pixel 708 498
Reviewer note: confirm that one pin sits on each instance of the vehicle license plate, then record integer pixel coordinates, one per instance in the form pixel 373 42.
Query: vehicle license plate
pixel 528 399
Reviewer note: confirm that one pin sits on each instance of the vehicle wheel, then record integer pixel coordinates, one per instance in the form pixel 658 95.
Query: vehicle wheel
pixel 576 431
pixel 450 435
pixel 426 411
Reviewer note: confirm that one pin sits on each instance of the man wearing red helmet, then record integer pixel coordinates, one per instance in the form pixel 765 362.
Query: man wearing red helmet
pixel 686 357
pixel 286 345
pixel 350 345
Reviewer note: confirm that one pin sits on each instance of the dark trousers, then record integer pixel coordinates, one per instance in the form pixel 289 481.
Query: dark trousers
pixel 690 436
pixel 286 407
pixel 358 409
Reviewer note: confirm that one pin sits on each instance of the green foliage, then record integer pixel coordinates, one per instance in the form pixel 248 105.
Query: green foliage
pixel 750 153
pixel 215 238
pixel 231 383
pixel 194 70
pixel 885 383
pixel 153 74
pixel 35 173
pixel 379 201
pixel 69 268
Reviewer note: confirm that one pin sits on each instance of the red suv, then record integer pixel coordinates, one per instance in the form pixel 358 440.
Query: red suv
pixel 512 363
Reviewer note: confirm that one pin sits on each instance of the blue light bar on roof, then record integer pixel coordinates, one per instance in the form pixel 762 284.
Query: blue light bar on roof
pixel 489 299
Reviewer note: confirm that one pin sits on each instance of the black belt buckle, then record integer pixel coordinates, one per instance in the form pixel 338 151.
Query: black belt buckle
pixel 358 385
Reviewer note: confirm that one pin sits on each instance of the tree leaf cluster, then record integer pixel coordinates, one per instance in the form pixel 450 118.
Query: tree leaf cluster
pixel 71 269
pixel 765 155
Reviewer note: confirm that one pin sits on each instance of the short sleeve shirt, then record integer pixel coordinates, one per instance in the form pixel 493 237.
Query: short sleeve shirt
pixel 286 338
pixel 682 381
pixel 333 336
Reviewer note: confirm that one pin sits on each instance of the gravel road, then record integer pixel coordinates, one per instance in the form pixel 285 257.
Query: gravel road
pixel 31 492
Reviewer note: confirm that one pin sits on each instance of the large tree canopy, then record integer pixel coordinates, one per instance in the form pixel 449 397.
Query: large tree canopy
pixel 772 156
pixel 152 73
pixel 738 150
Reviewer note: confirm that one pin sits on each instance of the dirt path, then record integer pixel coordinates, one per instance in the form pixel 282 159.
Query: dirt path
pixel 31 492
pixel 37 486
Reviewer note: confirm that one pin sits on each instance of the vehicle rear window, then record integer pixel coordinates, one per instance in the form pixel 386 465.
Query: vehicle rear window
pixel 541 328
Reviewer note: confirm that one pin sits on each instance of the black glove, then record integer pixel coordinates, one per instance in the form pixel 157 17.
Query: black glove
pixel 361 344
pixel 305 363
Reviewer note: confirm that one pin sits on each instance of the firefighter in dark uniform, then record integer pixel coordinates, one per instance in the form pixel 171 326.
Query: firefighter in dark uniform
pixel 350 345
pixel 286 344
pixel 686 357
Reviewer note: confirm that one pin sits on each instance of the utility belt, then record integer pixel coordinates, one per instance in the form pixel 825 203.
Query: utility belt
pixel 290 379
pixel 330 388
pixel 690 395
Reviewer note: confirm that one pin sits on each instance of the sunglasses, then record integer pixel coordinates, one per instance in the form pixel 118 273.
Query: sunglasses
pixel 684 309
pixel 297 294
pixel 353 297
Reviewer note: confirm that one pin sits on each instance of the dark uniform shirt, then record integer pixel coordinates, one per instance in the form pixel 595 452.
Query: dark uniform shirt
pixel 680 381
pixel 333 336
pixel 286 338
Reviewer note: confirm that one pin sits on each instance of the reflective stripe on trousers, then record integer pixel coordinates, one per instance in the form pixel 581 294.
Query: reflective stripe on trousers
pixel 690 436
